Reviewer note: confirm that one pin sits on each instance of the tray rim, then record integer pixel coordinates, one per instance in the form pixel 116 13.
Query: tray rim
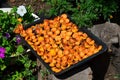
pixel 89 33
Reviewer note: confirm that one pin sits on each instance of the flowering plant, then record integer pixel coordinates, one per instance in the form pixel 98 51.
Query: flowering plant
pixel 10 44
pixel 2 52
pixel 21 10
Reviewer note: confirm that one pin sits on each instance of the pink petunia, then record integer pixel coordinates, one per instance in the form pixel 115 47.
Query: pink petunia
pixel 2 52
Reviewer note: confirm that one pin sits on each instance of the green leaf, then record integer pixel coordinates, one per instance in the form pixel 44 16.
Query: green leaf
pixel 3 67
pixel 27 64
pixel 20 49
pixel 7 49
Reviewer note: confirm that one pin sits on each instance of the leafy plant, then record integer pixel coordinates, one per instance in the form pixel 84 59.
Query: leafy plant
pixel 11 48
pixel 59 6
pixel 82 12
pixel 26 72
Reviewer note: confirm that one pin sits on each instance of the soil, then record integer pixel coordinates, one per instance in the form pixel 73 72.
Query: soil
pixel 39 4
pixel 35 4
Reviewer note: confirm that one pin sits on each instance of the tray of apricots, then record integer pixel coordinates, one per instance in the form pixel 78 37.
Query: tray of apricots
pixel 59 44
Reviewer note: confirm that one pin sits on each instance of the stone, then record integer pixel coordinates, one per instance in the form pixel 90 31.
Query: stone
pixel 83 75
pixel 108 32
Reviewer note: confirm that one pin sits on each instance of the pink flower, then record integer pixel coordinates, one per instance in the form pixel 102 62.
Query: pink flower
pixel 2 52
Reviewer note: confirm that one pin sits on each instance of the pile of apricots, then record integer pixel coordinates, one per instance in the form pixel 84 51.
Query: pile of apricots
pixel 59 42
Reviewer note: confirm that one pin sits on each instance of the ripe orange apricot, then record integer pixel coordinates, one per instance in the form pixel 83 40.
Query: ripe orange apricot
pixel 64 16
pixel 82 54
pixel 60 53
pixel 52 52
pixel 56 69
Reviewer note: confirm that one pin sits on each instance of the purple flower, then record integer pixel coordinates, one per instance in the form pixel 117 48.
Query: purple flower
pixel 2 52
pixel 7 35
pixel 18 39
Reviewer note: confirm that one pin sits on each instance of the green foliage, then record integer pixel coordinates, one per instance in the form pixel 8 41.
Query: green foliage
pixel 19 49
pixel 14 50
pixel 25 73
pixel 59 6
pixel 7 21
pixel 82 12
pixel 28 18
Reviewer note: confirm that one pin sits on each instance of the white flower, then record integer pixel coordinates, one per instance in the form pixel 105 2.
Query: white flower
pixel 21 10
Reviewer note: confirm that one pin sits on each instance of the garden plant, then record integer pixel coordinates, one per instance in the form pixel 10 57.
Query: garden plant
pixel 12 52
pixel 83 12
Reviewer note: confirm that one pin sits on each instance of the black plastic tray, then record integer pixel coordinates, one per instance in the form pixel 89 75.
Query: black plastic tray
pixel 80 63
